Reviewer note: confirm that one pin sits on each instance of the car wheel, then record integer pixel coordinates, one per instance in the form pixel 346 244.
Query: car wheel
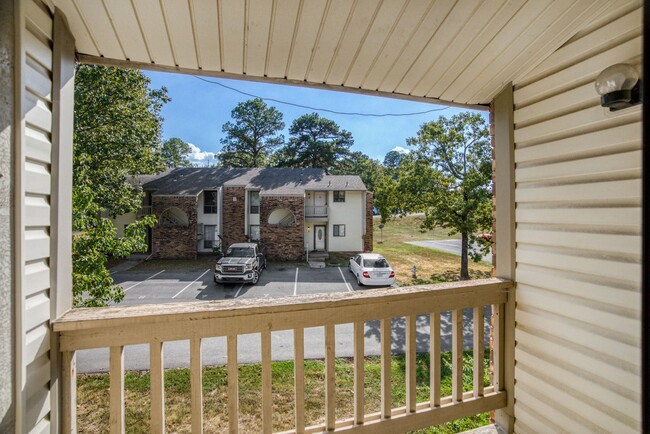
pixel 359 280
pixel 256 277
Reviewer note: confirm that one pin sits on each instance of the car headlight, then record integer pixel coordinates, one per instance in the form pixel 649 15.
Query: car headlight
pixel 217 267
pixel 249 267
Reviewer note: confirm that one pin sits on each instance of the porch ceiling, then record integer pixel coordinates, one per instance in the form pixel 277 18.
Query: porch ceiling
pixel 455 51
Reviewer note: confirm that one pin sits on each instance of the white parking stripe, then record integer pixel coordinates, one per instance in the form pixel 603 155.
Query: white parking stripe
pixel 239 290
pixel 347 285
pixel 150 277
pixel 295 284
pixel 190 284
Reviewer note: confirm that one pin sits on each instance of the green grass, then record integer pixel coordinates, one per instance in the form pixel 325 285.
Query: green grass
pixel 433 266
pixel 93 395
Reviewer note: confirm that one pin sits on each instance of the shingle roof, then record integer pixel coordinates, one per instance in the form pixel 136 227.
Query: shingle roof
pixel 270 181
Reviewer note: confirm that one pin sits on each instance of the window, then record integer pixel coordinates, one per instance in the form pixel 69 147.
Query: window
pixel 210 202
pixel 254 232
pixel 339 230
pixel 339 196
pixel 210 236
pixel 254 202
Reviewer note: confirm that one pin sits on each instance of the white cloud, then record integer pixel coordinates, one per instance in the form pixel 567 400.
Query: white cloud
pixel 199 157
pixel 401 150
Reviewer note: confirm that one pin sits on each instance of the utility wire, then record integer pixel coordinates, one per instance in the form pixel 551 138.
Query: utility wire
pixel 374 115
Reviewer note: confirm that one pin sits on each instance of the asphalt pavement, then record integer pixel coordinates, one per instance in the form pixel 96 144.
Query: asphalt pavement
pixel 279 280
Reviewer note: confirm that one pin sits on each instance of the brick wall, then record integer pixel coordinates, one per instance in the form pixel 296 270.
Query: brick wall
pixel 174 242
pixel 234 207
pixel 284 243
pixel 367 238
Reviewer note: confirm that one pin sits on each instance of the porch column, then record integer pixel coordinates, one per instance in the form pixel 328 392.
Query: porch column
pixel 504 190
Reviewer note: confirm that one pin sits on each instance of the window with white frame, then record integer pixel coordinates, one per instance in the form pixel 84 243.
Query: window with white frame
pixel 254 202
pixel 210 202
pixel 210 236
pixel 254 232
pixel 339 196
pixel 339 230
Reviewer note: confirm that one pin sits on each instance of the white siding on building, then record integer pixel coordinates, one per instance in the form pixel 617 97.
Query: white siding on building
pixel 578 235
pixel 348 213
pixel 204 219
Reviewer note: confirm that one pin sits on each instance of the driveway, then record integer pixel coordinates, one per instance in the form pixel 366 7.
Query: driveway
pixel 449 246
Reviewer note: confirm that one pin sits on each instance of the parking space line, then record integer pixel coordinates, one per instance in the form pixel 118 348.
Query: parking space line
pixel 295 284
pixel 142 281
pixel 347 285
pixel 239 290
pixel 190 284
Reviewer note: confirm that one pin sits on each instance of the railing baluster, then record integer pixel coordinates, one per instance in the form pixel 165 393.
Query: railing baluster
pixel 69 391
pixel 299 377
pixel 499 348
pixel 457 355
pixel 434 358
pixel 410 364
pixel 157 372
pixel 116 384
pixel 330 385
pixel 267 403
pixel 479 350
pixel 359 376
pixel 196 380
pixel 386 404
pixel 233 385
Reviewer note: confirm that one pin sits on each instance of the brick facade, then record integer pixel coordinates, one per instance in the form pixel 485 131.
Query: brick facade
pixel 284 243
pixel 367 238
pixel 175 242
pixel 233 211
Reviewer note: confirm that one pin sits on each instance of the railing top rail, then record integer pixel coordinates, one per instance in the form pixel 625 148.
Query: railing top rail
pixel 373 304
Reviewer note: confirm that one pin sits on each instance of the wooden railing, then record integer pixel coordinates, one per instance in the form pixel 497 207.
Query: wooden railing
pixel 115 327
pixel 145 210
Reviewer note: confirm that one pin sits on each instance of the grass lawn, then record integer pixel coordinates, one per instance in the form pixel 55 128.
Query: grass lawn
pixel 432 266
pixel 92 398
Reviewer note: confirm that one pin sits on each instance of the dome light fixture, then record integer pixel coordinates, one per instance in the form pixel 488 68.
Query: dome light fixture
pixel 619 87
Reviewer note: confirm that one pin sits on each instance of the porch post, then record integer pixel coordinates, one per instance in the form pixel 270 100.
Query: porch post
pixel 504 190
pixel 63 68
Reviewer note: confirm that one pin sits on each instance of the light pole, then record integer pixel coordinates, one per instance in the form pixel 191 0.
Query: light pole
pixel 381 233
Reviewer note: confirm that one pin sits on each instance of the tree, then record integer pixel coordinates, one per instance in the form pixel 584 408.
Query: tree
pixel 449 178
pixel 394 158
pixel 174 153
pixel 253 137
pixel 358 163
pixel 117 128
pixel 314 142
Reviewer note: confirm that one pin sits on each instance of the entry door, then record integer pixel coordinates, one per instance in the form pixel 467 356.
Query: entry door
pixel 319 237
pixel 320 203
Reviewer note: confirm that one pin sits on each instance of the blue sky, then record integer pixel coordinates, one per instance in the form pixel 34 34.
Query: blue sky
pixel 198 110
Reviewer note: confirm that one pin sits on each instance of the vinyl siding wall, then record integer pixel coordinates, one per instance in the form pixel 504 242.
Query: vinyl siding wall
pixel 578 239
pixel 45 72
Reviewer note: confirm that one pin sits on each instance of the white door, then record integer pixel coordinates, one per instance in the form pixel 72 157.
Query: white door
pixel 319 237
pixel 320 203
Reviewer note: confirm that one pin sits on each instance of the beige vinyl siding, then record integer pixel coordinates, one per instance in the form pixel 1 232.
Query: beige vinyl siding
pixel 578 239
pixel 34 219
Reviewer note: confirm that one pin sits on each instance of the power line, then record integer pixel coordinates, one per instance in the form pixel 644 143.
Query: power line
pixel 374 115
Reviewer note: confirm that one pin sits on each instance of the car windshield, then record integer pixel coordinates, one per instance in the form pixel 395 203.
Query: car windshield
pixel 240 252
pixel 375 263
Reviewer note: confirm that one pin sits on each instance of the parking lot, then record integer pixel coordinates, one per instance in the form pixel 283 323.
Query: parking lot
pixel 278 280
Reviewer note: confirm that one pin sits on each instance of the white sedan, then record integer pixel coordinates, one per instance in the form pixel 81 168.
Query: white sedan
pixel 371 269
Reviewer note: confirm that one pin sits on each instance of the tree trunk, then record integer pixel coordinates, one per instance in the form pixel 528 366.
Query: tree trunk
pixel 464 268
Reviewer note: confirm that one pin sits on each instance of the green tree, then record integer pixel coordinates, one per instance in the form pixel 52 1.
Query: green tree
pixel 174 153
pixel 254 135
pixel 117 128
pixel 449 178
pixel 358 163
pixel 314 142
